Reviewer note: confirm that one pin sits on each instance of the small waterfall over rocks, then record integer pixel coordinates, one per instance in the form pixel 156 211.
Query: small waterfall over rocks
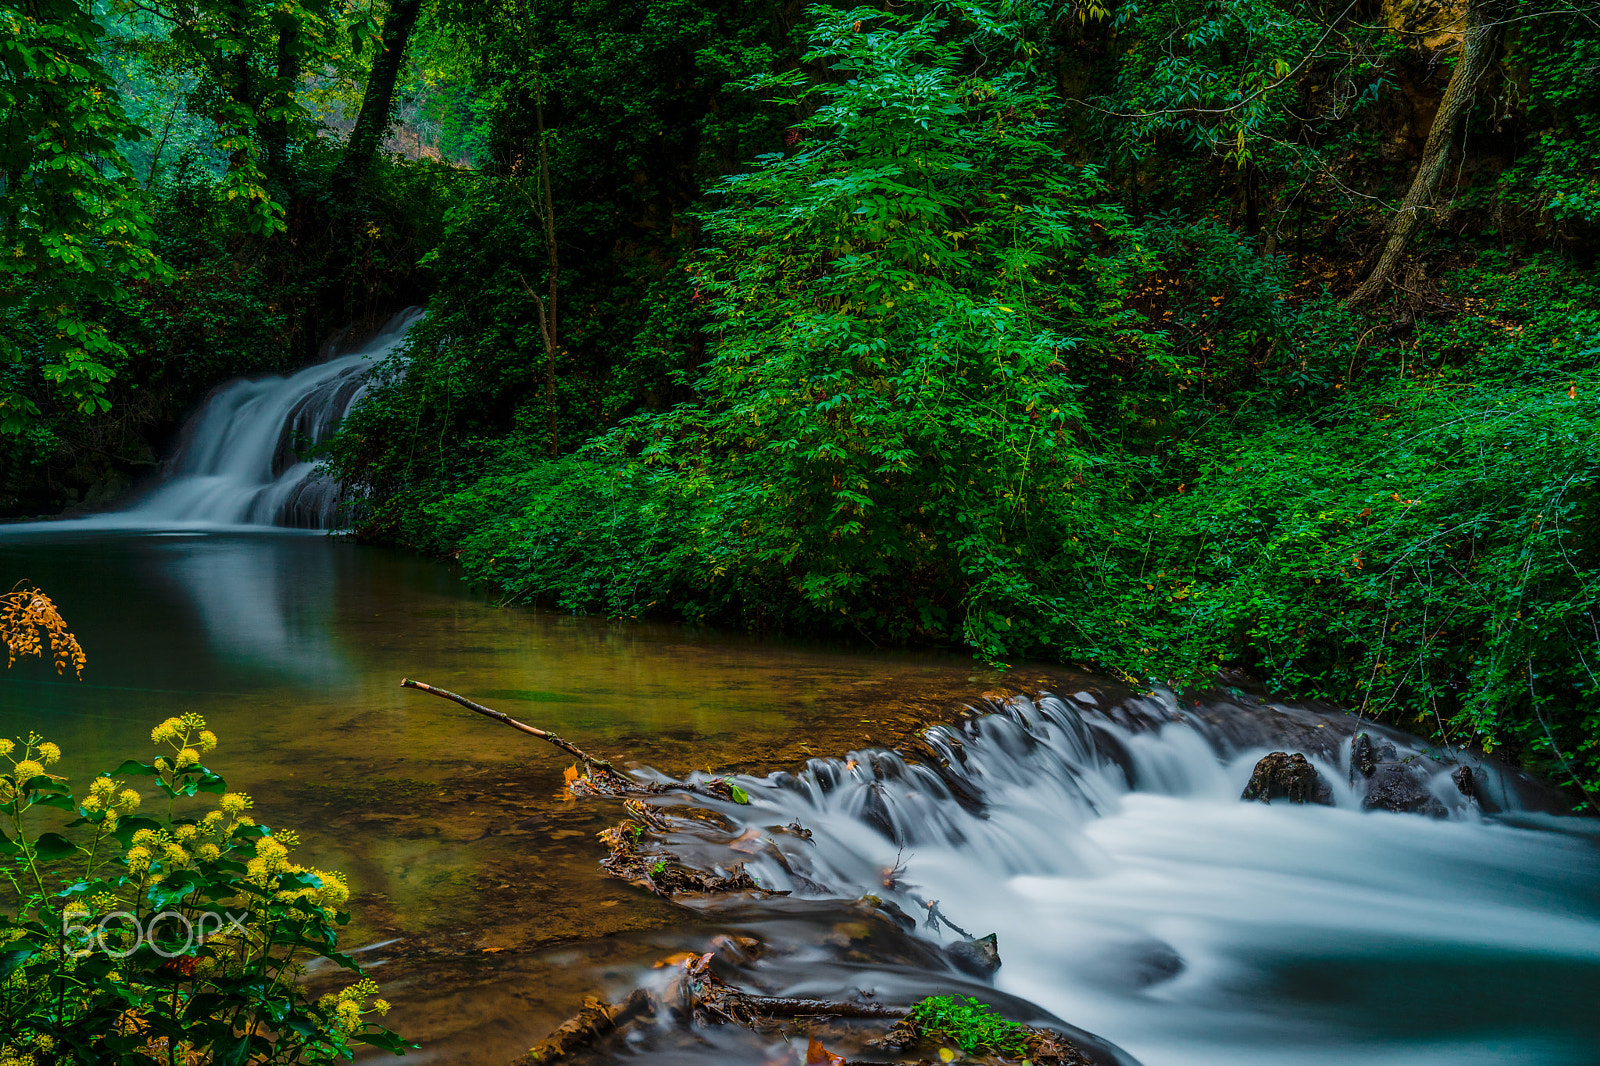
pixel 1134 893
pixel 240 458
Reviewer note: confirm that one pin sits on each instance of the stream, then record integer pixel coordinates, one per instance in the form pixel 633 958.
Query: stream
pixel 1098 832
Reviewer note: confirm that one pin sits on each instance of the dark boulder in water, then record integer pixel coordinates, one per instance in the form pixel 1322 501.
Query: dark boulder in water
pixel 980 957
pixel 1281 775
pixel 1396 786
pixel 1363 760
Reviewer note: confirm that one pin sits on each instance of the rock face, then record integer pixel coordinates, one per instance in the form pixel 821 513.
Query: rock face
pixel 1281 775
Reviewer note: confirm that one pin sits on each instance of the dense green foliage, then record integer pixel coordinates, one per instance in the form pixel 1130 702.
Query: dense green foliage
pixel 73 229
pixel 968 1024
pixel 1014 327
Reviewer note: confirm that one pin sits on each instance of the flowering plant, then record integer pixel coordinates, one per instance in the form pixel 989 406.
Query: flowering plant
pixel 179 937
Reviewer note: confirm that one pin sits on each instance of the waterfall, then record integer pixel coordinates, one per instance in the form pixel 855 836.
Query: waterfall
pixel 240 460
pixel 1134 894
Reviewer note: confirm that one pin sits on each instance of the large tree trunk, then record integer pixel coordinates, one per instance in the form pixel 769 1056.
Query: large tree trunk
pixel 377 103
pixel 1478 44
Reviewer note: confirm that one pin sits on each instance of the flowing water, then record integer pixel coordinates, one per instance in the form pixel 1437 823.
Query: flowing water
pixel 1097 832
pixel 1134 894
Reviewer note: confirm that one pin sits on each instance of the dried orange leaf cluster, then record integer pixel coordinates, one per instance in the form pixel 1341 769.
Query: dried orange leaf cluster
pixel 27 619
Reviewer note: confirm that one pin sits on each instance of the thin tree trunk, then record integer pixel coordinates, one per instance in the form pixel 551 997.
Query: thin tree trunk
pixel 161 145
pixel 548 306
pixel 377 103
pixel 1477 52
pixel 547 316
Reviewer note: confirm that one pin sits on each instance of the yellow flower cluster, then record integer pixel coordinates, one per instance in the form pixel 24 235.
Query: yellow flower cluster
pixel 37 753
pixel 13 1056
pixel 350 1004
pixel 103 796
pixel 155 853
pixel 272 858
pixel 188 737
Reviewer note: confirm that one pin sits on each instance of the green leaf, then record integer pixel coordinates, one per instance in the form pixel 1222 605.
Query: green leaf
pixel 134 766
pixel 11 961
pixel 53 846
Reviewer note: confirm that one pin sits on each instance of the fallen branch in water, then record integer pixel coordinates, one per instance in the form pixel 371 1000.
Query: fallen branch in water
pixel 589 761
pixel 600 779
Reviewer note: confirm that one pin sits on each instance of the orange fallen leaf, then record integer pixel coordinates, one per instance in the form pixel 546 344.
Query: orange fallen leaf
pixel 678 958
pixel 570 774
pixel 817 1055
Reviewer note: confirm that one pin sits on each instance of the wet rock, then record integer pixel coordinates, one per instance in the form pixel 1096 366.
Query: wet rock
pixel 1396 787
pixel 1466 784
pixel 980 957
pixel 875 812
pixel 1281 775
pixel 1363 760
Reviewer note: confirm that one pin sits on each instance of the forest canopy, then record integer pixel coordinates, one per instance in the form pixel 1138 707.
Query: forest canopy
pixel 1160 338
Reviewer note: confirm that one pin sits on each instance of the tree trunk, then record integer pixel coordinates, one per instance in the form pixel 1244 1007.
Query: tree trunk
pixel 275 132
pixel 377 103
pixel 547 307
pixel 547 316
pixel 1477 52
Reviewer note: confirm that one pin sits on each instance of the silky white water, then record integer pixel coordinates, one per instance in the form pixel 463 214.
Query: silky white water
pixel 241 461
pixel 1136 896
pixel 244 457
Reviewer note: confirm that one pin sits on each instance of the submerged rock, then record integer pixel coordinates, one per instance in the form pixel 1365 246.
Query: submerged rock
pixel 1281 775
pixel 980 957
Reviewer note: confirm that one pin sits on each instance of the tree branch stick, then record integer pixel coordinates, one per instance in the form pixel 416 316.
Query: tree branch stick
pixel 505 719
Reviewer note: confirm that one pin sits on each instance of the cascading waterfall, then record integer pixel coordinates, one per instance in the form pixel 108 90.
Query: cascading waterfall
pixel 240 462
pixel 1134 894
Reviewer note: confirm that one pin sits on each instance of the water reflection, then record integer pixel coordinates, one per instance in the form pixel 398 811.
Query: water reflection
pixel 260 609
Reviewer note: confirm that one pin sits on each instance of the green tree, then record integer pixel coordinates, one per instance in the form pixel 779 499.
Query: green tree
pixel 889 420
pixel 253 63
pixel 74 228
